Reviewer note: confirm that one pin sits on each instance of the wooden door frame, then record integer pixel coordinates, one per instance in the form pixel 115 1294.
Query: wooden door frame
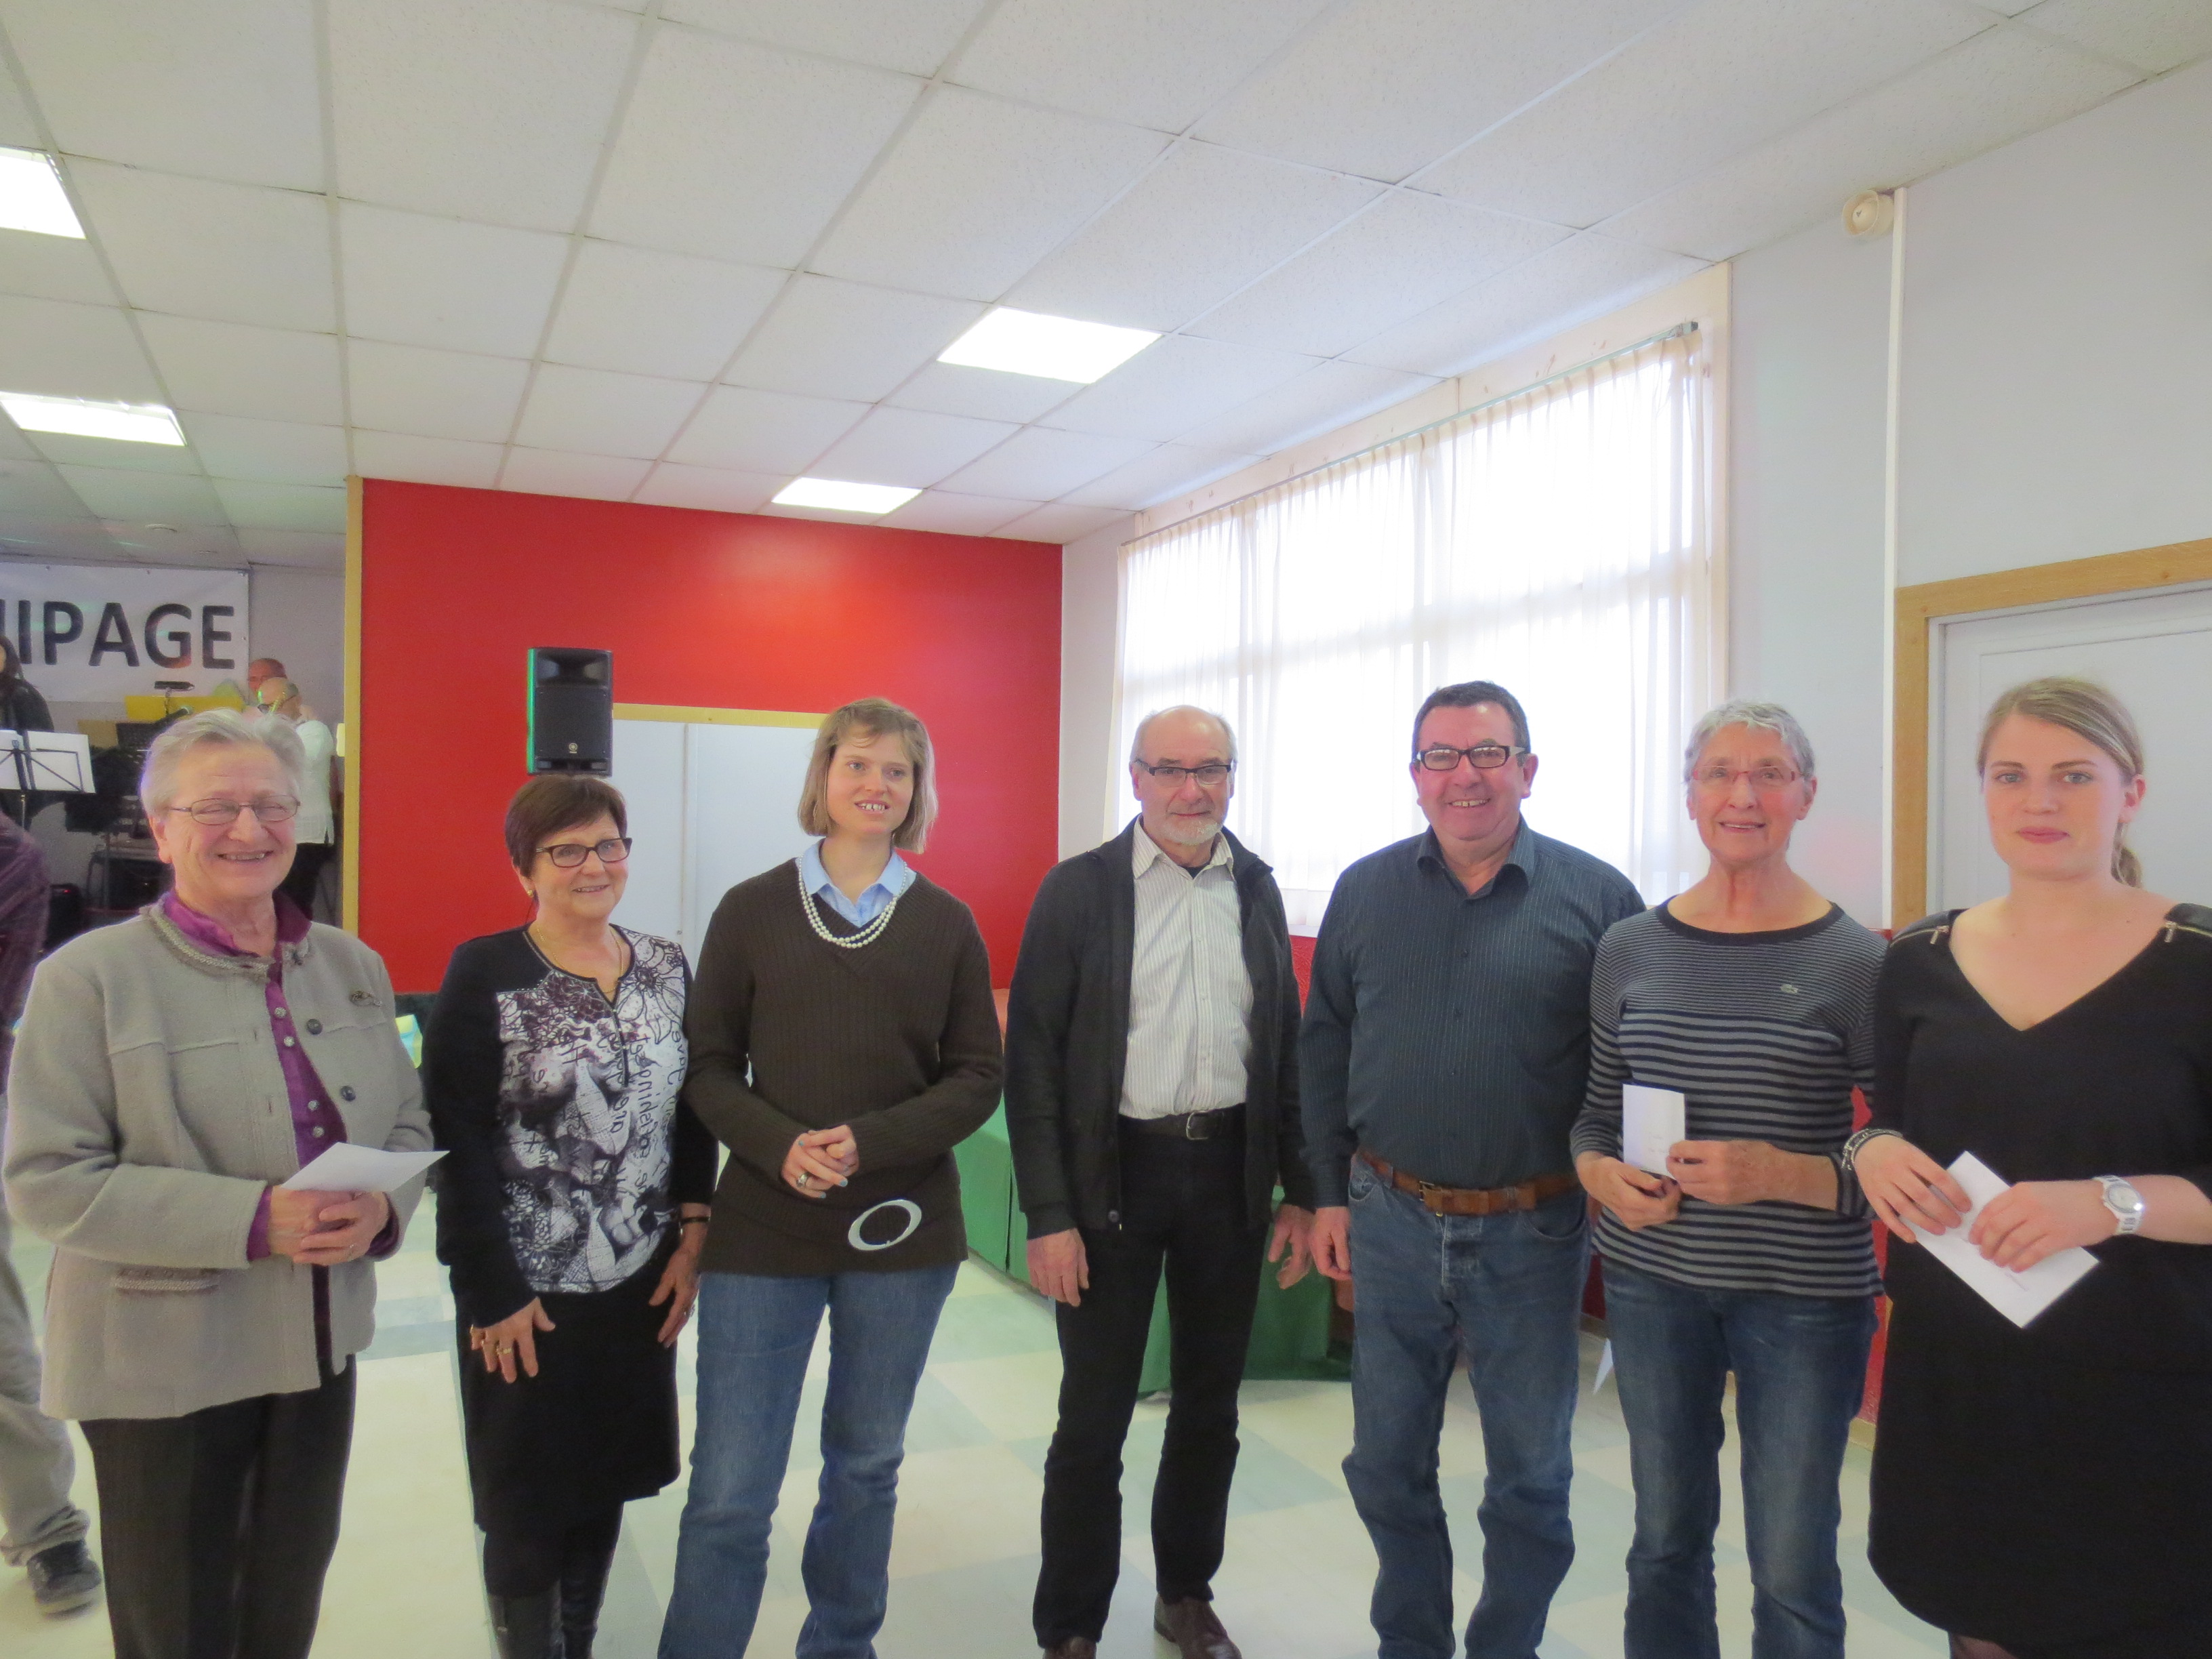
pixel 1920 609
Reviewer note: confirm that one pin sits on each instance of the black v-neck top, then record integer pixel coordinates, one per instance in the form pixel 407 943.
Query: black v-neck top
pixel 2119 1082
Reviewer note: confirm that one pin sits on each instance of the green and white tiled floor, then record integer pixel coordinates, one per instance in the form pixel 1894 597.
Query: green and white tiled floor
pixel 1295 1584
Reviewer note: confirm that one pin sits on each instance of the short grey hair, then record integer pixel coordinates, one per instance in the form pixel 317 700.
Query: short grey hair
pixel 1137 743
pixel 220 728
pixel 1759 717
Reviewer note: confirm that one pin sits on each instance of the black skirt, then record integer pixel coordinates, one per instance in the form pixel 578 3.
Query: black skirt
pixel 594 1428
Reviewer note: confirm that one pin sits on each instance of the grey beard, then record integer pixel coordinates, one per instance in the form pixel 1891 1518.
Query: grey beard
pixel 1183 837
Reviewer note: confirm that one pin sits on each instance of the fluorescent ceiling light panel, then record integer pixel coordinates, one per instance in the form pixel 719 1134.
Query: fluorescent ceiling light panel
pixel 32 196
pixel 1049 348
pixel 138 423
pixel 835 495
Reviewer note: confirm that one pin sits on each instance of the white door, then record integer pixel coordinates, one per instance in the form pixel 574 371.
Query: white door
pixel 2154 650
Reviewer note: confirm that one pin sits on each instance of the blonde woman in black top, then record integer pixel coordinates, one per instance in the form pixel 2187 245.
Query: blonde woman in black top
pixel 844 1040
pixel 2041 1492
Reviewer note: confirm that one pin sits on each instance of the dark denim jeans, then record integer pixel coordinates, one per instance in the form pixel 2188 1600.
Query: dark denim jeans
pixel 1799 1365
pixel 1508 1290
pixel 756 1334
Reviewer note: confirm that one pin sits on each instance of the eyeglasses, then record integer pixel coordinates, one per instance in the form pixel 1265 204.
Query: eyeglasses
pixel 568 855
pixel 1207 775
pixel 269 809
pixel 1484 756
pixel 1763 778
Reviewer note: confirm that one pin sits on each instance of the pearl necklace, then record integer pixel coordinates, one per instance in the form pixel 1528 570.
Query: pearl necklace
pixel 867 935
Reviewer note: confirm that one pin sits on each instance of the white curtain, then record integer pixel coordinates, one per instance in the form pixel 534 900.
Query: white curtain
pixel 1559 542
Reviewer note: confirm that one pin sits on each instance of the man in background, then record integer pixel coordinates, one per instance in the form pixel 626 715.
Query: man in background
pixel 258 670
pixel 45 1532
pixel 314 831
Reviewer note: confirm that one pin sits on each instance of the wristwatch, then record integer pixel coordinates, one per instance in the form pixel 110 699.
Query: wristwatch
pixel 2124 1201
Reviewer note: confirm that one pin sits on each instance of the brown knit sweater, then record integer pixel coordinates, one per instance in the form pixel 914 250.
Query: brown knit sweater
pixel 898 1039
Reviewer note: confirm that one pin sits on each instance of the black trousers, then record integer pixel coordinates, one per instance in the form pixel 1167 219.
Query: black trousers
pixel 299 882
pixel 216 1528
pixel 1183 1207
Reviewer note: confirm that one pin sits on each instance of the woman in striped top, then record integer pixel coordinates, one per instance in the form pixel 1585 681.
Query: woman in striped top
pixel 1753 996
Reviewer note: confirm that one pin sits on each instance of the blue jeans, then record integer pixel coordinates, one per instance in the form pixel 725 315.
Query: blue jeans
pixel 1507 1289
pixel 1799 1365
pixel 756 1333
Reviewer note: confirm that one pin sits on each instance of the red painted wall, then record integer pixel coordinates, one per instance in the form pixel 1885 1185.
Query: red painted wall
pixel 713 609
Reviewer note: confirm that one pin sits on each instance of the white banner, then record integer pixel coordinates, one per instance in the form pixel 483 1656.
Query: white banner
pixel 92 633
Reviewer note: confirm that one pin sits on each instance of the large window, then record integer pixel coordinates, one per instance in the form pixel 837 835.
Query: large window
pixel 1559 542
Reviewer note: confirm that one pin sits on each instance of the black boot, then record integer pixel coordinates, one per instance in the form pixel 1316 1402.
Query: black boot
pixel 583 1588
pixel 528 1626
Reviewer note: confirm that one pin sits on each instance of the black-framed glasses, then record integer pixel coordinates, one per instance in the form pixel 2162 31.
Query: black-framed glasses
pixel 568 855
pixel 1208 775
pixel 1484 756
pixel 268 809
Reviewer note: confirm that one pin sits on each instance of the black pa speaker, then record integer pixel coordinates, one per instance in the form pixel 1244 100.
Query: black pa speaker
pixel 572 710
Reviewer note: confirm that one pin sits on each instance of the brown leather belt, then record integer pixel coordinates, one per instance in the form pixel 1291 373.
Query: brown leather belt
pixel 1472 1201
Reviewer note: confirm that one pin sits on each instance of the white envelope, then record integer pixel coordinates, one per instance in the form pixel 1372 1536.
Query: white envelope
pixel 346 1168
pixel 2020 1296
pixel 1651 1120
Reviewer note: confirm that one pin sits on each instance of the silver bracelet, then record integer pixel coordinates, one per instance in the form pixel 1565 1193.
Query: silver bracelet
pixel 1852 1147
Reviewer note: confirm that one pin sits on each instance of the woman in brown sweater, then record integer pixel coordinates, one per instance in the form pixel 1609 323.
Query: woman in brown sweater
pixel 844 1040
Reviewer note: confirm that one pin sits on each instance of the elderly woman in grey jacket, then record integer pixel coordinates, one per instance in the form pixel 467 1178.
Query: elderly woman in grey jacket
pixel 170 1072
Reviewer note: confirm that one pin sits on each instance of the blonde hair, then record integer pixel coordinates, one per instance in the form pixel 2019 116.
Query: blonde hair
pixel 2091 713
pixel 873 717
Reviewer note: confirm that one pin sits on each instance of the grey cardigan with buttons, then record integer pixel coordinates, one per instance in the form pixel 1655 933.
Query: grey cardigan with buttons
pixel 147 1113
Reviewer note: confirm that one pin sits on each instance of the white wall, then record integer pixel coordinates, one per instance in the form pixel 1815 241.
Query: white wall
pixel 299 618
pixel 1090 605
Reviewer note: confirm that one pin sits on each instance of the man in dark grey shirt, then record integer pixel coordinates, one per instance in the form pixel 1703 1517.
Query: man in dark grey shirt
pixel 1442 1063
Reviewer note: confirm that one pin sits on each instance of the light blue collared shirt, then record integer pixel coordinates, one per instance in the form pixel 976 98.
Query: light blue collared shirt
pixel 897 877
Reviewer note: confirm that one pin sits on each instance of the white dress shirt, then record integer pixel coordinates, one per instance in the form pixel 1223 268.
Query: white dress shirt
pixel 1190 996
pixel 313 825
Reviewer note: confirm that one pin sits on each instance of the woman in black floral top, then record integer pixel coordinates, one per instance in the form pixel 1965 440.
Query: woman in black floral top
pixel 552 1068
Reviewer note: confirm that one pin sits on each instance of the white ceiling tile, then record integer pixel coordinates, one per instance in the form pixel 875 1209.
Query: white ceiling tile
pixel 841 340
pixel 741 429
pixel 1152 63
pixel 1062 523
pixel 1990 90
pixel 909 447
pixel 913 35
pixel 244 253
pixel 165 543
pixel 1174 384
pixel 1038 463
pixel 17 129
pixel 647 313
pixel 740 152
pixel 1333 395
pixel 36 487
pixel 1188 234
pixel 551 472
pixel 590 411
pixel 1585 277
pixel 988 394
pixel 482 109
pixel 2154 36
pixel 64 450
pixel 977 191
pixel 1381 88
pixel 419 281
pixel 112 493
pixel 271 452
pixel 426 460
pixel 1170 469
pixel 72 351
pixel 229 368
pixel 282 507
pixel 1706 85
pixel 434 394
pixel 14 445
pixel 314 549
pixel 218 88
pixel 52 268
pixel 952 514
pixel 1399 258
pixel 28 537
pixel 712 489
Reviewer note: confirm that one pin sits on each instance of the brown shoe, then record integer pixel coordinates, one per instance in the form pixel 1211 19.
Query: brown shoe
pixel 1191 1626
pixel 1072 1647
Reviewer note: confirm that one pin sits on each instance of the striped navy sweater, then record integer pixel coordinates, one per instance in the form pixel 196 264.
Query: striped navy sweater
pixel 1765 1034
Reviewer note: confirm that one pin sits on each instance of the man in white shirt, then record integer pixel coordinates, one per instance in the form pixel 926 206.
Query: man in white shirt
pixel 314 831
pixel 1152 1099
